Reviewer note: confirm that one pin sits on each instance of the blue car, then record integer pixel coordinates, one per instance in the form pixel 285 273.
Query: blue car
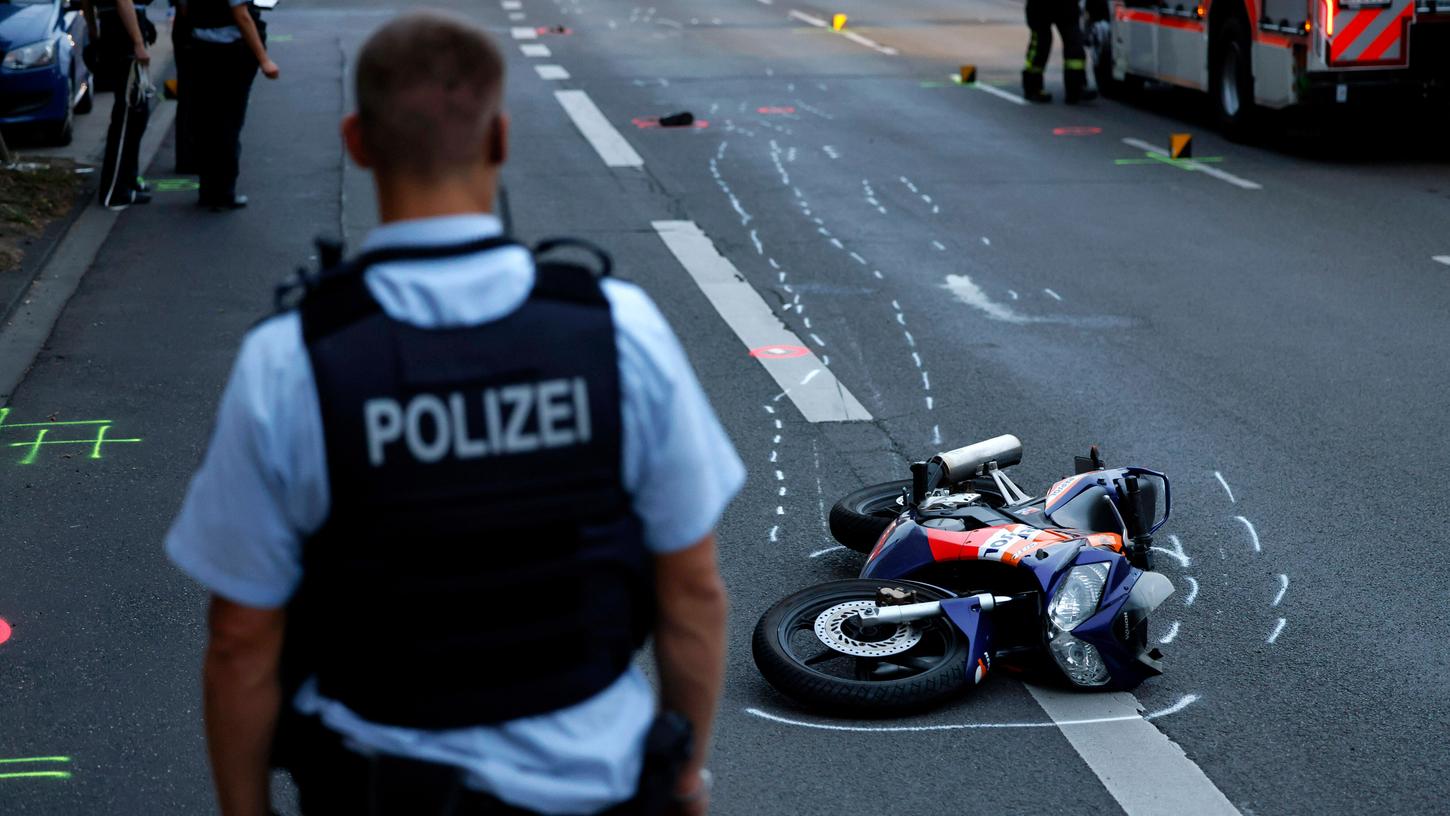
pixel 43 80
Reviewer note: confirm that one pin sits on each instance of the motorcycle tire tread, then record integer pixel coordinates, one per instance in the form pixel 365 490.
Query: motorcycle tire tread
pixel 860 531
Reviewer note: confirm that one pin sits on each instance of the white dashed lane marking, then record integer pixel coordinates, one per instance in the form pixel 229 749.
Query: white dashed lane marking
pixel 535 50
pixel 524 33
pixel 551 72
pixel 606 141
pixel 1236 181
pixel 1444 259
pixel 999 93
pixel 850 35
pixel 819 396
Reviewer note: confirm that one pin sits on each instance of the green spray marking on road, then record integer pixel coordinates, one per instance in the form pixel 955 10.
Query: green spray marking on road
pixel 46 432
pixel 1159 158
pixel 23 760
pixel 276 38
pixel 174 185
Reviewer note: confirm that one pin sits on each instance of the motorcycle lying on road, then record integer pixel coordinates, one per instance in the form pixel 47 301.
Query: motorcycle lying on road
pixel 966 573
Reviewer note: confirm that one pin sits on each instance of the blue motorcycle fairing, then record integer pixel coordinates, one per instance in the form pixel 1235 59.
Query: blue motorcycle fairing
pixel 967 615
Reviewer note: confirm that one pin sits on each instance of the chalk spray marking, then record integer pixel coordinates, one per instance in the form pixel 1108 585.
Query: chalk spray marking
pixel 1192 590
pixel 1226 488
pixel 1254 534
pixel 1278 630
pixel 1283 588
pixel 1176 553
pixel 819 553
pixel 1183 702
pixel 1171 635
pixel 1053 295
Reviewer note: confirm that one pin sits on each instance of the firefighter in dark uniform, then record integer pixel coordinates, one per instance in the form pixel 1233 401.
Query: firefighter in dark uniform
pixel 1042 17
pixel 461 488
pixel 120 32
pixel 227 44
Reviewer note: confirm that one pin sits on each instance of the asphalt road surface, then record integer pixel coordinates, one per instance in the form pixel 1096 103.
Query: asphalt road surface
pixel 1272 336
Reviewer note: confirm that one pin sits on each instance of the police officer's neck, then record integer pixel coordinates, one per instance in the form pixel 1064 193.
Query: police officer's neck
pixel 408 199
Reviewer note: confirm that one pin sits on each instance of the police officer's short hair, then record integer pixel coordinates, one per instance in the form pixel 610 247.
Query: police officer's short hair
pixel 429 85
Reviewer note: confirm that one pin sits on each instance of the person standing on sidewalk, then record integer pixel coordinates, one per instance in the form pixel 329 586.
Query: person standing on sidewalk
pixel 228 45
pixel 1042 16
pixel 120 33
pixel 461 488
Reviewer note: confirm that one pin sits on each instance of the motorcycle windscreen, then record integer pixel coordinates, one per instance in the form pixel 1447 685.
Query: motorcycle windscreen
pixel 1091 510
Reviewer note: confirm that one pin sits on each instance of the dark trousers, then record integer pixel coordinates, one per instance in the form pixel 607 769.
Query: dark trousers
pixel 219 85
pixel 181 44
pixel 1042 16
pixel 335 781
pixel 129 113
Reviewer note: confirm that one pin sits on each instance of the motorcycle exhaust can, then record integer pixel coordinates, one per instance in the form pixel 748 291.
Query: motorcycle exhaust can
pixel 963 463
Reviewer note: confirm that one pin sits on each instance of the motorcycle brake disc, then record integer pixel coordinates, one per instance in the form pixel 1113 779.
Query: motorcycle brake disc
pixel 830 630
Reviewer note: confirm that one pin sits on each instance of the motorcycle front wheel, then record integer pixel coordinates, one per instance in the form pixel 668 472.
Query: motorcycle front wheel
pixel 811 647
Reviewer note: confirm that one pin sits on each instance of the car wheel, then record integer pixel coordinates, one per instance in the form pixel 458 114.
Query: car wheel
pixel 1231 81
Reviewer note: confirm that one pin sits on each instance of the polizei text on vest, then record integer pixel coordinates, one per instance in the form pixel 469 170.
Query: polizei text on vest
pixel 510 419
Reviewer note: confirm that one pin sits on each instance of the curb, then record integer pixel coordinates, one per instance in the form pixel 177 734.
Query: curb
pixel 74 243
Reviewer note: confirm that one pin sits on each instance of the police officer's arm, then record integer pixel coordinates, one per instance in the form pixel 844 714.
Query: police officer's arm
pixel 689 644
pixel 126 10
pixel 243 697
pixel 243 15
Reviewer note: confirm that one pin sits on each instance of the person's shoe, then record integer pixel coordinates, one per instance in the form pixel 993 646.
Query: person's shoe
pixel 236 202
pixel 141 186
pixel 1032 89
pixel 1084 95
pixel 1075 81
pixel 132 197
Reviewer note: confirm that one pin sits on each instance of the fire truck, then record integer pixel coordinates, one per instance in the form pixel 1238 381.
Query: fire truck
pixel 1249 55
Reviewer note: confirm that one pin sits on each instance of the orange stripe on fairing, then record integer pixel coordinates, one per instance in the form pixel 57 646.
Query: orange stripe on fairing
pixel 1346 36
pixel 1387 38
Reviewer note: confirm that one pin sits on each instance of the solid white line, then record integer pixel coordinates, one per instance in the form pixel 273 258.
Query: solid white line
pixel 605 140
pixel 1193 165
pixel 1104 728
pixel 524 33
pixel 1278 630
pixel 1252 532
pixel 1283 587
pixel 535 50
pixel 551 72
pixel 823 398
pixel 1444 259
pixel 1183 702
pixel 869 43
pixel 1226 488
pixel 998 92
pixel 806 18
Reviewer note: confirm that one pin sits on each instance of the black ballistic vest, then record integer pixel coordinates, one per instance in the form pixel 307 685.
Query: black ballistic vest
pixel 481 560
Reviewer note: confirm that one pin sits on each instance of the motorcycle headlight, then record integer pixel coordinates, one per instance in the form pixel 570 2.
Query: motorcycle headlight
pixel 1079 660
pixel 1077 599
pixel 33 55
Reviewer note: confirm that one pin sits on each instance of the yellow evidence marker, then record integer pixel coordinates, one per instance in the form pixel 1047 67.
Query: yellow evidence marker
pixel 1180 146
pixel 838 22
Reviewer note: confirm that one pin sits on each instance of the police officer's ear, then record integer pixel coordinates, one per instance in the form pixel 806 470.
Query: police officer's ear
pixel 356 146
pixel 498 140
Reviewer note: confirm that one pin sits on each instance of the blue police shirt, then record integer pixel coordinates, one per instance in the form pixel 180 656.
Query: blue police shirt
pixel 262 489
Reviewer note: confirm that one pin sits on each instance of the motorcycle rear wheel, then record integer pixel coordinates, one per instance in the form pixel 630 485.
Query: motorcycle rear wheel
pixel 796 661
pixel 858 520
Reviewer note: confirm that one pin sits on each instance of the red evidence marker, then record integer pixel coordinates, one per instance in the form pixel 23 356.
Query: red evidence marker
pixel 1076 130
pixel 4 630
pixel 779 352
pixel 775 110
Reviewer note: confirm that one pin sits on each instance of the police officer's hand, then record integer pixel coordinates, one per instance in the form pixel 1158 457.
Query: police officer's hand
pixel 142 56
pixel 270 70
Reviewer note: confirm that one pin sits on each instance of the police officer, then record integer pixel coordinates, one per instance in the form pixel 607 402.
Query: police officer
pixel 462 488
pixel 1042 16
pixel 227 46
pixel 119 33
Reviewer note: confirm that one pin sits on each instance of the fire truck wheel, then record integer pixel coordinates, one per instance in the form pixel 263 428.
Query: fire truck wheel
pixel 1231 80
